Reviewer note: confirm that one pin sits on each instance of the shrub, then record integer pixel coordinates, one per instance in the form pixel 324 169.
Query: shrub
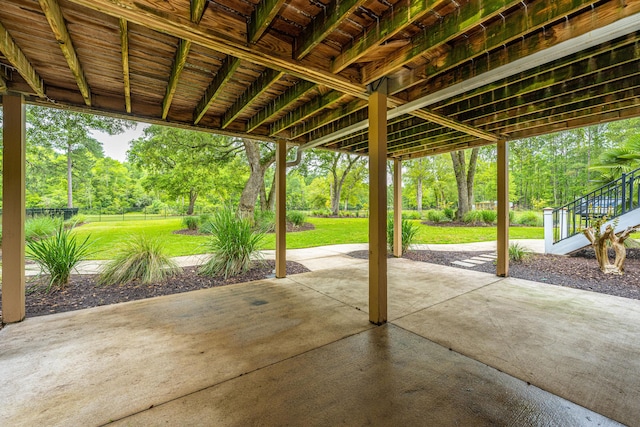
pixel 488 216
pixel 75 220
pixel 449 213
pixel 409 232
pixel 58 255
pixel 517 252
pixel 512 217
pixel 530 218
pixel 411 215
pixel 265 220
pixel 472 217
pixel 436 216
pixel 191 222
pixel 204 218
pixel 296 218
pixel 232 244
pixel 41 227
pixel 140 258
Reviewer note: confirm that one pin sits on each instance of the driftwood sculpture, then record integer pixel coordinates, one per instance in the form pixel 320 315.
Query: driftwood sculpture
pixel 599 242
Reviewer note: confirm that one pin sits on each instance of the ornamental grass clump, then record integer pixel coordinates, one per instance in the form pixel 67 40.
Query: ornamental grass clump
pixel 58 255
pixel 296 218
pixel 40 227
pixel 233 244
pixel 518 253
pixel 142 259
pixel 409 233
pixel 191 222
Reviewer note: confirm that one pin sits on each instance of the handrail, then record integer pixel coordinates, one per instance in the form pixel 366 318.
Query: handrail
pixel 613 200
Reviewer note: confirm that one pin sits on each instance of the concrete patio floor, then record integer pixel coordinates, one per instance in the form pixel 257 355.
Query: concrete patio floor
pixel 461 348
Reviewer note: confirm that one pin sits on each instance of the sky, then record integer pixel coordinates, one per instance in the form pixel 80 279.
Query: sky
pixel 116 146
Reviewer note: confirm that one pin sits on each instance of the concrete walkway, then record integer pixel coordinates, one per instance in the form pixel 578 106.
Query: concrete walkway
pixel 460 348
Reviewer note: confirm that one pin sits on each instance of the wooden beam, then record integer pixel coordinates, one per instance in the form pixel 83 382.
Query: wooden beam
pixel 281 209
pixel 219 41
pixel 197 10
pixel 454 124
pixel 261 17
pixel 290 96
pixel 390 24
pixel 305 111
pixel 14 55
pixel 52 11
pixel 13 209
pixel 324 24
pixel 124 49
pixel 3 84
pixel 397 208
pixel 353 111
pixel 378 206
pixel 502 165
pixel 222 77
pixel 257 88
pixel 469 15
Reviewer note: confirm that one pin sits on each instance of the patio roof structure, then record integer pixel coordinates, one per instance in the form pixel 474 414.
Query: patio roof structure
pixel 387 79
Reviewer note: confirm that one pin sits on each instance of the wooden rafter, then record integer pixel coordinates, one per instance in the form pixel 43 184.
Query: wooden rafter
pixel 17 58
pixel 327 117
pixel 124 49
pixel 507 43
pixel 257 88
pixel 52 11
pixel 454 124
pixel 290 96
pixel 197 10
pixel 218 41
pixel 393 22
pixel 324 24
pixel 224 74
pixel 468 16
pixel 261 17
pixel 305 111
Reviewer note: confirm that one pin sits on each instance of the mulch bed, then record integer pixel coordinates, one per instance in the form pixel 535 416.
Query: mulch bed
pixel 578 271
pixel 83 291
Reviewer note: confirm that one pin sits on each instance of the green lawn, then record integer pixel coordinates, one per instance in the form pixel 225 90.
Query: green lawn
pixel 329 231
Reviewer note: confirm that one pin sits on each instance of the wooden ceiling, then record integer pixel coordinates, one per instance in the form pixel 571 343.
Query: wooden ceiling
pixel 459 73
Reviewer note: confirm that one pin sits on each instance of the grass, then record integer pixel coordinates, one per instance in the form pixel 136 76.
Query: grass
pixel 107 236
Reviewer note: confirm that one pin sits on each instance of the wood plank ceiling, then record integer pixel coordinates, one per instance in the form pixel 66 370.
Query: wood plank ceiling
pixel 459 73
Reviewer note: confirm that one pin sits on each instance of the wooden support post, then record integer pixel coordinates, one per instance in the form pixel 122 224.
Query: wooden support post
pixel 397 208
pixel 378 205
pixel 13 209
pixel 503 209
pixel 281 207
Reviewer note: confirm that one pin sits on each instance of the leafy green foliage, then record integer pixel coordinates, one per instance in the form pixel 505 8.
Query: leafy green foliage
pixel 472 217
pixel 449 213
pixel 411 215
pixel 265 220
pixel 296 218
pixel 436 216
pixel 75 220
pixel 140 258
pixel 191 222
pixel 529 218
pixel 488 216
pixel 409 232
pixel 40 227
pixel 518 253
pixel 58 255
pixel 232 244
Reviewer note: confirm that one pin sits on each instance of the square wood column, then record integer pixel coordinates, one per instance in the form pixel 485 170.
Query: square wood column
pixel 378 206
pixel 13 209
pixel 281 209
pixel 397 208
pixel 503 209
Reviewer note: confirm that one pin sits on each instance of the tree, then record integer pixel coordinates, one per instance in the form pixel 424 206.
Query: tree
pixel 465 175
pixel 418 172
pixel 70 133
pixel 181 162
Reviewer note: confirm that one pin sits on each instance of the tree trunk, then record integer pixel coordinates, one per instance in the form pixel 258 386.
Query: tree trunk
pixel 271 200
pixel 193 195
pixel 419 194
pixel 69 178
pixel 599 244
pixel 459 166
pixel 335 195
pixel 471 174
pixel 257 169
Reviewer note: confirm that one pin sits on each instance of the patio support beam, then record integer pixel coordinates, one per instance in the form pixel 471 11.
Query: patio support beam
pixel 281 209
pixel 257 88
pixel 305 111
pixel 13 200
pixel 378 204
pixel 184 46
pixel 397 208
pixel 503 209
pixel 124 43
pixel 52 11
pixel 16 57
pixel 222 77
